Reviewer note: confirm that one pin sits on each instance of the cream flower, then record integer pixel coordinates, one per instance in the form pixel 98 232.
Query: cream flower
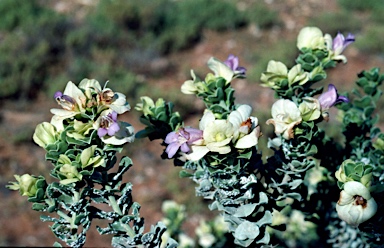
pixel 297 75
pixel 277 71
pixel 191 87
pixel 246 129
pixel 217 134
pixel 310 109
pixel 106 97
pixel 72 101
pixel 311 37
pixel 220 69
pixel 44 134
pixel 355 204
pixel 285 116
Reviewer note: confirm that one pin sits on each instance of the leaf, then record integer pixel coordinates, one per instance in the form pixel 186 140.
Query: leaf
pixel 185 173
pixel 266 219
pixel 246 231
pixel 245 210
pixel 265 239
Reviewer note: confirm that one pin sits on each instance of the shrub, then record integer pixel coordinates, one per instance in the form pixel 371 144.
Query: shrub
pixel 333 22
pixel 30 47
pixel 262 15
pixel 365 5
pixel 372 41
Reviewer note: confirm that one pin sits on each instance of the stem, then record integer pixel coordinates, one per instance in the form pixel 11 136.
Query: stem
pixel 65 216
pixel 116 209
pixel 113 203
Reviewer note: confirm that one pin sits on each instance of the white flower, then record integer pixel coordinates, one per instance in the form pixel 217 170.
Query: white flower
pixel 311 37
pixel 217 134
pixel 72 101
pixel 44 134
pixel 189 87
pixel 106 97
pixel 276 71
pixel 355 204
pixel 246 131
pixel 285 116
pixel 185 241
pixel 220 69
pixel 204 233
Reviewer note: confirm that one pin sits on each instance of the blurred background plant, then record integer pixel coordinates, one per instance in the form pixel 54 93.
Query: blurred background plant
pixel 147 48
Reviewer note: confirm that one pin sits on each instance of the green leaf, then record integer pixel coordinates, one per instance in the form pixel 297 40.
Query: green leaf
pixel 185 173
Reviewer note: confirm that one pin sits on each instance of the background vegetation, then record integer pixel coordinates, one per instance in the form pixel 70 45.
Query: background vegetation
pixel 147 48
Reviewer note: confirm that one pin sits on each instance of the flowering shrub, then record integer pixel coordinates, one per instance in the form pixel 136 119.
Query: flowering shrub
pixel 330 189
pixel 81 142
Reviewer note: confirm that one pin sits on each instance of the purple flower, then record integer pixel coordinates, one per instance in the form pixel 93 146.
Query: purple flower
pixel 233 63
pixel 108 125
pixel 66 102
pixel 330 98
pixel 340 43
pixel 182 139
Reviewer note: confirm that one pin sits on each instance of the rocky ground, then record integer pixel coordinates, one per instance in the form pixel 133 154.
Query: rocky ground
pixel 154 179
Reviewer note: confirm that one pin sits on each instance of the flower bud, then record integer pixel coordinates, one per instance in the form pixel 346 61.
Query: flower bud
pixel 310 109
pixel 44 134
pixel 145 105
pixel 69 174
pixel 220 69
pixel 26 184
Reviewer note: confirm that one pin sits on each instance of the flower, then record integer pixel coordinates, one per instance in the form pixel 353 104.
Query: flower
pixel 297 75
pixel 220 69
pixel 108 125
pixel 217 134
pixel 44 134
pixel 233 63
pixel 338 45
pixel 277 72
pixel 106 98
pixel 310 37
pixel 246 129
pixel 285 116
pixel 124 135
pixel 331 97
pixel 69 174
pixel 310 109
pixel 204 234
pixel 80 130
pixel 182 139
pixel 72 101
pixel 147 105
pixel 355 204
pixel 88 157
pixel 26 184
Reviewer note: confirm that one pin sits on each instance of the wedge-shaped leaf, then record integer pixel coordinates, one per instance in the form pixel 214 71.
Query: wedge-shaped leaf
pixel 266 219
pixel 246 231
pixel 245 210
